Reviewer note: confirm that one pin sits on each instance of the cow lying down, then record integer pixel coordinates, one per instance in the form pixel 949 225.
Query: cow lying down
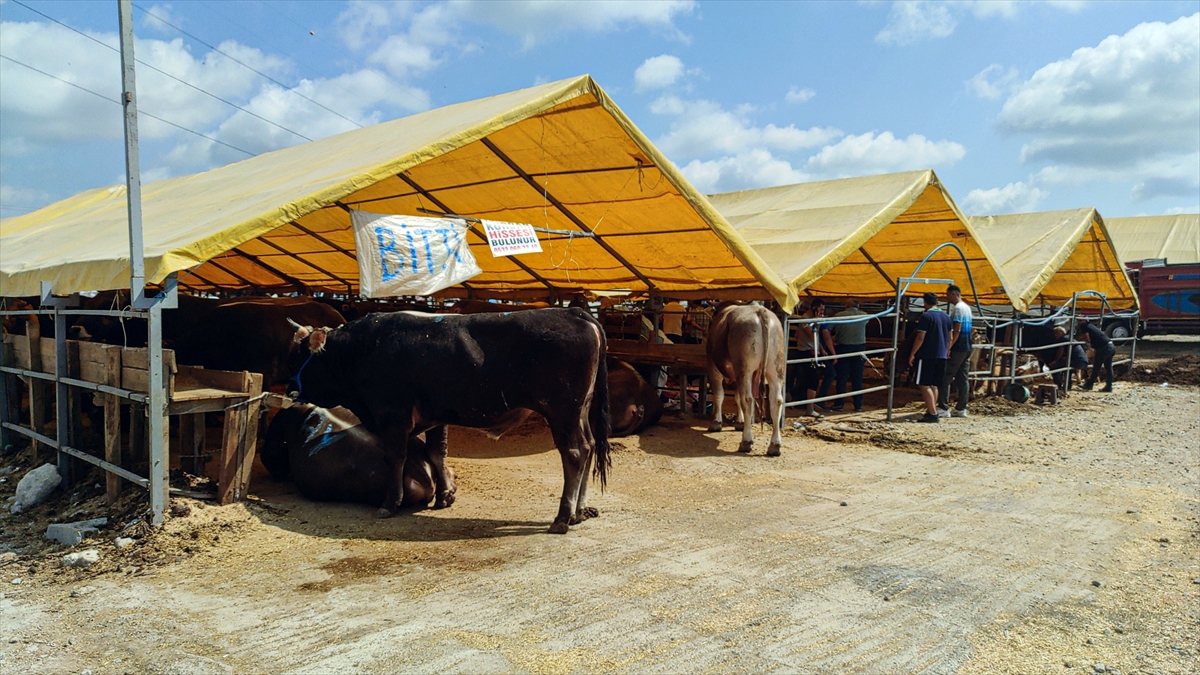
pixel 633 403
pixel 332 458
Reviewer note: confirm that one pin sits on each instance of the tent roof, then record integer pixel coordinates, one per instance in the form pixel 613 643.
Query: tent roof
pixel 1053 254
pixel 1176 238
pixel 559 155
pixel 853 237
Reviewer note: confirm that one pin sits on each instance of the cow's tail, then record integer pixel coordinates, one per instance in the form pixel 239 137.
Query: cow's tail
pixel 599 415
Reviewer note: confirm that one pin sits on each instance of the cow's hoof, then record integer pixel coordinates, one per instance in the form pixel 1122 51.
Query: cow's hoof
pixel 559 527
pixel 738 426
pixel 585 513
pixel 382 513
pixel 773 450
pixel 716 426
pixel 745 446
pixel 444 501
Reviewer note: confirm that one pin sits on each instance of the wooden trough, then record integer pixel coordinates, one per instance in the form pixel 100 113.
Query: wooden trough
pixel 192 392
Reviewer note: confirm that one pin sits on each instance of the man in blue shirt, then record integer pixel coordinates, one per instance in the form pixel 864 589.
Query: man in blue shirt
pixel 929 353
pixel 958 362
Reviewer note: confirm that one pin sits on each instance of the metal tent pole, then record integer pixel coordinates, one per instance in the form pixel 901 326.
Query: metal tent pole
pixel 133 173
pixel 895 354
pixel 1070 339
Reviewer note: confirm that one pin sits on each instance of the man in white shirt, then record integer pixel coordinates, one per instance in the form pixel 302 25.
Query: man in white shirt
pixel 958 363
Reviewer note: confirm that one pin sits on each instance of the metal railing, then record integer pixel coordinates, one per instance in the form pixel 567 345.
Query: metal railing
pixel 155 400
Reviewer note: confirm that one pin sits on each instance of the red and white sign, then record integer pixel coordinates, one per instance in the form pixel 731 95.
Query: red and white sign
pixel 511 238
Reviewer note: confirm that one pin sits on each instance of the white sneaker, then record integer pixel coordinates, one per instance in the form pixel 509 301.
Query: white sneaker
pixel 958 413
pixel 943 412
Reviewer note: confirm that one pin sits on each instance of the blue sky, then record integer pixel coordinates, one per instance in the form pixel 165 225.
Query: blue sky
pixel 1018 106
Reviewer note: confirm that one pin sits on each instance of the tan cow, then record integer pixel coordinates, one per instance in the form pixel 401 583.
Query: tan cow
pixel 746 346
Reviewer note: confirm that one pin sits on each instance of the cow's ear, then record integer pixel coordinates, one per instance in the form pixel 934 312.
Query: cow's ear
pixel 316 341
pixel 302 332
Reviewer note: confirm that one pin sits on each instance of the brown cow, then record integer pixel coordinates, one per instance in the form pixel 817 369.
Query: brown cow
pixel 633 403
pixel 745 346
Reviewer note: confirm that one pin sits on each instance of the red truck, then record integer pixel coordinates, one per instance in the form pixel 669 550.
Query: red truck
pixel 1169 296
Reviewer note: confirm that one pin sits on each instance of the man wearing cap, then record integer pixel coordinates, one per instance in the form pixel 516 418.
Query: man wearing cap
pixel 958 362
pixel 929 353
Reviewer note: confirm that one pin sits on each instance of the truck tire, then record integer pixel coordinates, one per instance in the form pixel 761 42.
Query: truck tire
pixel 1118 329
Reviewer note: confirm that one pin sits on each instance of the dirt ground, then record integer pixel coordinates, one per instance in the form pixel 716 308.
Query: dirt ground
pixel 1022 539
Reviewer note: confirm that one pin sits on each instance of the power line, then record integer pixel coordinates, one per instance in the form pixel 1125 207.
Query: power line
pixel 112 100
pixel 247 66
pixel 151 67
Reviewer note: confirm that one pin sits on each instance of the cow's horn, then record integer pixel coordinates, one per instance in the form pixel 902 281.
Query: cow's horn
pixel 294 324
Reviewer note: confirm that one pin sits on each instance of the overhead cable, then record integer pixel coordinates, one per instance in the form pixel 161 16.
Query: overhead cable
pixel 113 100
pixel 246 65
pixel 158 70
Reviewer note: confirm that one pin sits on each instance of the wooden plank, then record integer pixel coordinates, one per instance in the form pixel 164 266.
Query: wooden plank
pixel 228 474
pixel 137 432
pixel 49 356
pixel 112 422
pixel 37 410
pixel 22 356
pixel 249 444
pixel 191 378
pixel 139 358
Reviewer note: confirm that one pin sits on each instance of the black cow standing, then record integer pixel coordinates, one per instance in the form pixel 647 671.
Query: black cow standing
pixel 406 372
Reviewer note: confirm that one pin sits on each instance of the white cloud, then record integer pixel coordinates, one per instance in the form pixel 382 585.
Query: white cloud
pixel 657 72
pixel 911 21
pixel 1177 210
pixel 703 128
pixel 39 108
pixel 870 153
pixel 1127 110
pixel 16 200
pixel 797 95
pixel 157 17
pixel 988 8
pixel 992 82
pixel 1012 198
pixel 752 168
pixel 535 20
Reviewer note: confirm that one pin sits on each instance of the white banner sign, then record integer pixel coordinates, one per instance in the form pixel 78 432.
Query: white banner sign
pixel 410 255
pixel 511 238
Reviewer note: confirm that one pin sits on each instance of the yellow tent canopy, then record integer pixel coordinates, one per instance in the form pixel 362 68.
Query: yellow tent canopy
pixel 1052 254
pixel 854 237
pixel 1176 238
pixel 560 156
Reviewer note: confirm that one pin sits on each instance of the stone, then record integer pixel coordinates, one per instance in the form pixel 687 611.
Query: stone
pixel 10 557
pixel 843 504
pixel 16 581
pixel 69 534
pixel 1099 667
pixel 81 591
pixel 123 542
pixel 1097 583
pixel 82 558
pixel 35 486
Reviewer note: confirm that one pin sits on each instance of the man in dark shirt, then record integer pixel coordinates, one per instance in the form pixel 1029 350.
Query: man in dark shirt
pixel 1078 359
pixel 929 351
pixel 1103 356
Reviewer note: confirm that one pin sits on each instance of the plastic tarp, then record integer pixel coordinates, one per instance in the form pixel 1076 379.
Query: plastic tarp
pixel 559 156
pixel 1048 256
pixel 1176 238
pixel 854 237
